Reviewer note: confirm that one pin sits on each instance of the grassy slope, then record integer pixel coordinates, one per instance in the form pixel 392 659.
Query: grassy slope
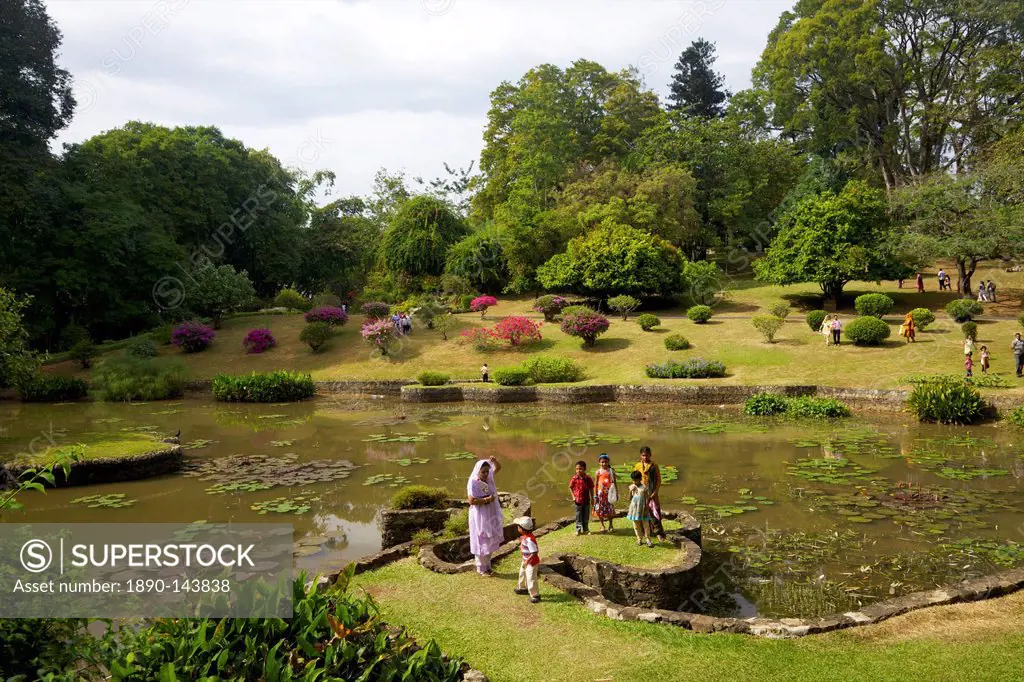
pixel 797 357
pixel 618 547
pixel 511 639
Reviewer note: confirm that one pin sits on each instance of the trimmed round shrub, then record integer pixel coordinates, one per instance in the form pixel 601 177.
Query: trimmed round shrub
pixel 764 405
pixel 83 353
pixel 1016 416
pixel 867 331
pixel 326 298
pixel 768 325
pixel 271 387
pixel 549 369
pixel 291 299
pixel 576 309
pixel 623 305
pixel 699 314
pixel 46 388
pixel 316 335
pixel 780 309
pixel 676 342
pixel 695 368
pixel 511 376
pixel 480 304
pixel 922 318
pixel 648 321
pixel 947 401
pixel 815 319
pixel 550 305
pixel 419 497
pixel 258 341
pixel 141 347
pixel 429 378
pixel 873 305
pixel 72 334
pixel 376 310
pixel 586 325
pixel 970 330
pixel 330 314
pixel 963 309
pixel 192 337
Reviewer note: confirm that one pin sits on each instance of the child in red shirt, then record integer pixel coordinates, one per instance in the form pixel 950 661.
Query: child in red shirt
pixel 531 559
pixel 582 488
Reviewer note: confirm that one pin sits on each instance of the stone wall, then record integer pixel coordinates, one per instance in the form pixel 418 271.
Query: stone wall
pixel 398 526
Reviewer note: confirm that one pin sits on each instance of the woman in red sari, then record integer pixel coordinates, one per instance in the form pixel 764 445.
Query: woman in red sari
pixel 606 493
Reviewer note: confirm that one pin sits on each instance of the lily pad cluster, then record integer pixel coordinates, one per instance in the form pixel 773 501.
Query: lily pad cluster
pixel 314 544
pixel 282 443
pixel 418 437
pixel 830 470
pixel 746 502
pixel 109 501
pixel 590 439
pixel 197 443
pixel 409 461
pixel 284 470
pixel 242 487
pixel 716 427
pixel 391 480
pixel 669 472
pixel 454 456
pixel 298 504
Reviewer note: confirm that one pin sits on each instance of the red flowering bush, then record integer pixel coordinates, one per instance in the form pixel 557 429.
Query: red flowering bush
pixel 481 304
pixel 258 341
pixel 332 315
pixel 586 324
pixel 481 339
pixel 192 337
pixel 517 331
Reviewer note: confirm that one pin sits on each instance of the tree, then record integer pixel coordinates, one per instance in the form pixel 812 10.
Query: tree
pixel 479 259
pixel 614 259
pixel 696 88
pixel 17 362
pixel 419 235
pixel 213 291
pixel 339 247
pixel 832 239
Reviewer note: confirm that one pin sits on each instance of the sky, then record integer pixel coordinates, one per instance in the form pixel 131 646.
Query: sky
pixel 355 85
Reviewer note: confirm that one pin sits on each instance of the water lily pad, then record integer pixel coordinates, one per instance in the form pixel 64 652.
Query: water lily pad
pixel 109 501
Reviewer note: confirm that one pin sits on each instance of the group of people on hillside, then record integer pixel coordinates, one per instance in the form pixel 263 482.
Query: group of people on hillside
pixel 987 291
pixel 592 497
pixel 403 323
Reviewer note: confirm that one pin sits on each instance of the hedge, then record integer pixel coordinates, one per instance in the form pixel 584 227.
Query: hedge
pixel 272 387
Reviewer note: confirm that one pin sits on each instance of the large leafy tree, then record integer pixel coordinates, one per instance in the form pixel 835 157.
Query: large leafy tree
pixel 696 88
pixel 339 247
pixel 831 239
pixel 614 259
pixel 480 260
pixel 213 291
pixel 901 87
pixel 419 235
pixel 17 362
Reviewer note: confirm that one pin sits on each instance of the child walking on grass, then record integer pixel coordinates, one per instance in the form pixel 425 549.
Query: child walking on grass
pixel 969 365
pixel 639 510
pixel 531 559
pixel 984 359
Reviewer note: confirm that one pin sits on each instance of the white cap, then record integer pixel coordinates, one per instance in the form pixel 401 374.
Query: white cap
pixel 524 521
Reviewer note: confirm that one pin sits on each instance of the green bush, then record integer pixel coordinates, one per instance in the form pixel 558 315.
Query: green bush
pixel 465 301
pixel 815 319
pixel 429 378
pixel 548 369
pixel 963 309
pixel 867 331
pixel 764 405
pixel 947 401
pixel 648 321
pixel 141 347
pixel 162 334
pixel 817 408
pixel 47 388
pixel 325 298
pixel 1016 416
pixel 676 342
pixel 576 309
pixel 292 299
pixel 623 305
pixel 73 334
pixel 694 368
pixel 779 309
pixel 873 305
pixel 768 325
pixel 511 376
pixel 316 335
pixel 970 330
pixel 271 387
pixel 457 525
pixel 126 379
pixel 699 314
pixel 420 497
pixel 922 318
pixel 83 353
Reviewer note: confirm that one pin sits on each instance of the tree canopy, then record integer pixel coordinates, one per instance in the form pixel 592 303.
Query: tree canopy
pixel 419 235
pixel 696 88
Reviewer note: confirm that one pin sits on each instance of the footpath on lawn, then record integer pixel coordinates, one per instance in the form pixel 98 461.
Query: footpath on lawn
pixel 510 639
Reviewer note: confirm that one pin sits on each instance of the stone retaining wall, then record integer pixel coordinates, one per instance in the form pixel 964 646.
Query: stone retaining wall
pixel 398 526
pixel 114 469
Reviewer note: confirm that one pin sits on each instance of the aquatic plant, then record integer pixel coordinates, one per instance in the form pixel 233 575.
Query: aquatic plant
pixel 270 387
pixel 51 388
pixel 946 402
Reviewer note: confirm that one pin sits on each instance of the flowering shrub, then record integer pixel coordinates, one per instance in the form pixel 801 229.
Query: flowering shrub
pixel 376 310
pixel 481 304
pixel 550 305
pixel 258 341
pixel 192 337
pixel 332 315
pixel 481 339
pixel 586 324
pixel 380 334
pixel 518 331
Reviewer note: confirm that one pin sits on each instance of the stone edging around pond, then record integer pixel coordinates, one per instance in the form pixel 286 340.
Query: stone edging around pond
pixel 114 469
pixel 397 526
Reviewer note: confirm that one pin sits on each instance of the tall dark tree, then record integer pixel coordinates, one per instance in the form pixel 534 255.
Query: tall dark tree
pixel 697 89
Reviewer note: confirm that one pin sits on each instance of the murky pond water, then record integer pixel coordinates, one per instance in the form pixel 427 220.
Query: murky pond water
pixel 799 518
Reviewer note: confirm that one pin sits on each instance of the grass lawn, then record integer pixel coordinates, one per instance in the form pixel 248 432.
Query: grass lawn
pixel 797 357
pixel 511 640
pixel 98 446
pixel 618 546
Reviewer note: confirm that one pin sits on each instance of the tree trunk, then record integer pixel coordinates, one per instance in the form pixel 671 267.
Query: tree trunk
pixel 964 273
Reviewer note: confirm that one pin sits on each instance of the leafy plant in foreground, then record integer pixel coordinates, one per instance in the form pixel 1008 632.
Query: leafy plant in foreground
pixel 272 387
pixel 946 402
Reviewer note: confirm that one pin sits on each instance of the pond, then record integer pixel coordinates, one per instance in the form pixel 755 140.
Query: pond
pixel 800 519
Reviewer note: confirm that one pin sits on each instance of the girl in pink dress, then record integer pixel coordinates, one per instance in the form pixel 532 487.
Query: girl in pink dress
pixel 606 493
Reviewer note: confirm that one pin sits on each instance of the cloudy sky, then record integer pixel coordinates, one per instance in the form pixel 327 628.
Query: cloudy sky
pixel 353 85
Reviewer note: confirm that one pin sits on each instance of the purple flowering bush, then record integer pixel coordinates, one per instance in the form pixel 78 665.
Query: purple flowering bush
pixel 332 315
pixel 192 337
pixel 380 334
pixel 586 324
pixel 258 341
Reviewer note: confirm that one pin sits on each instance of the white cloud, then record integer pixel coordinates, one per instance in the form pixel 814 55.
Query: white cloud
pixel 397 83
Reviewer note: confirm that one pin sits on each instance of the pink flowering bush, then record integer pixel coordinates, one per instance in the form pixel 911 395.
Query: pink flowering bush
pixel 586 324
pixel 518 331
pixel 481 304
pixel 258 341
pixel 192 337
pixel 380 334
pixel 332 315
pixel 481 339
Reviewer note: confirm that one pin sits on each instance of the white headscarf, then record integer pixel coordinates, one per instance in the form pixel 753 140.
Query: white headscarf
pixel 476 475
